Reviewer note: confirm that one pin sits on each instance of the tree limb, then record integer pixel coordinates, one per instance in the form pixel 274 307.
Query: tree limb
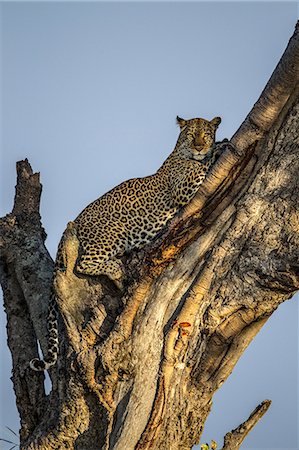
pixel 280 86
pixel 234 439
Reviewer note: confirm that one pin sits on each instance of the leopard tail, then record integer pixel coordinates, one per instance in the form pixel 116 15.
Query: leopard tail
pixel 51 358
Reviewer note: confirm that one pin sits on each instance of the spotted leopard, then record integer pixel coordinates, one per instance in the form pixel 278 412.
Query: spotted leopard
pixel 131 214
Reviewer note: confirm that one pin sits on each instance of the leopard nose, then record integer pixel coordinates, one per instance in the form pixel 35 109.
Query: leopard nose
pixel 199 141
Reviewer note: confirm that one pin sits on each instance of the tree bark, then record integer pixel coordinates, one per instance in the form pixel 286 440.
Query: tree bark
pixel 138 369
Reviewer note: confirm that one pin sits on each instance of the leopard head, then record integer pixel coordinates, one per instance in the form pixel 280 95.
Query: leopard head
pixel 197 136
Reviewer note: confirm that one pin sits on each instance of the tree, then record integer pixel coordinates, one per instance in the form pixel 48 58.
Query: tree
pixel 138 369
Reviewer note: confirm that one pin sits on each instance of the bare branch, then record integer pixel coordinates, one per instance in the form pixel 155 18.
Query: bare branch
pixel 273 98
pixel 234 439
pixel 21 253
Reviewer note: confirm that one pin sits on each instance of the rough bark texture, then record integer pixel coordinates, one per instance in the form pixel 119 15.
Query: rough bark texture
pixel 138 370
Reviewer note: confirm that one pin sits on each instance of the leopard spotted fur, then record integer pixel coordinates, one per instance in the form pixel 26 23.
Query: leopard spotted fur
pixel 131 214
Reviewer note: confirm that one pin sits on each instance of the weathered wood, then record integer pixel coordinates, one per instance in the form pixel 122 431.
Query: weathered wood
pixel 25 275
pixel 138 369
pixel 234 439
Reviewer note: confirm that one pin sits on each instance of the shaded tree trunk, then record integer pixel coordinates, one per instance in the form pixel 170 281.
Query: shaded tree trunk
pixel 139 369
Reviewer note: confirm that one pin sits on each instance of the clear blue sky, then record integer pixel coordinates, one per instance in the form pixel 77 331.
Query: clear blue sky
pixel 90 92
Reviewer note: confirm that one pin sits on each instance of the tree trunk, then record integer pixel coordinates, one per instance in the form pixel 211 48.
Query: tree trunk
pixel 138 369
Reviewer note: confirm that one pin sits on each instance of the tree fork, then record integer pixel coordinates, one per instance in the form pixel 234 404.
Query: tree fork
pixel 138 369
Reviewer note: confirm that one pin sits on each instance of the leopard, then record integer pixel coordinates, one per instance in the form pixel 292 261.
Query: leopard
pixel 133 213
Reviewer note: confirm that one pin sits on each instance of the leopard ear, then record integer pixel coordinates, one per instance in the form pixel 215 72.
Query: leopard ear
pixel 181 122
pixel 216 121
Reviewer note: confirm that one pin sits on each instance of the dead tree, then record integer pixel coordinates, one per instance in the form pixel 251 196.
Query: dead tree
pixel 138 369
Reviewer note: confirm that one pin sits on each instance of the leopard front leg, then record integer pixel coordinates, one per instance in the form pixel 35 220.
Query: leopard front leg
pixel 185 185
